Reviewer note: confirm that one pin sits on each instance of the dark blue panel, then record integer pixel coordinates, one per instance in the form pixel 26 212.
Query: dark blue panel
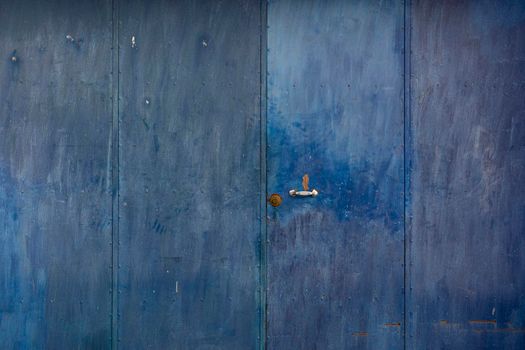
pixel 189 174
pixel 55 175
pixel 335 112
pixel 468 175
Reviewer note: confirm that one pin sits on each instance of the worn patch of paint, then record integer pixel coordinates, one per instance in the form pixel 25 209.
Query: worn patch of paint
pixel 482 322
pixel 360 334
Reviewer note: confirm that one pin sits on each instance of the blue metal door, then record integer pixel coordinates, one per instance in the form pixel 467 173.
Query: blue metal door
pixel 244 174
pixel 335 113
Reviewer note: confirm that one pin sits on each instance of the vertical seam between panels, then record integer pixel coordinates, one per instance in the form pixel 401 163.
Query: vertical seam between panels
pixel 115 171
pixel 263 281
pixel 406 165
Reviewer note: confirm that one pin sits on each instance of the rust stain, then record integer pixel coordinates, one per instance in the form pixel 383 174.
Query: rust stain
pixel 482 322
pixel 306 180
pixel 500 330
pixel 450 325
pixel 393 324
pixel 360 334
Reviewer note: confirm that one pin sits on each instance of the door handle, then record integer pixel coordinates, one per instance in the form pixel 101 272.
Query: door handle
pixel 311 193
pixel 304 192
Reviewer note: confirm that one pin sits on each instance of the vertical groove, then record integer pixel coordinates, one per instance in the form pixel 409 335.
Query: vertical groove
pixel 115 93
pixel 263 175
pixel 406 163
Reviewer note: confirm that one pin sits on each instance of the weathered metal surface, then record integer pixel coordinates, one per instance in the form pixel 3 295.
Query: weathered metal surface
pixel 55 175
pixel 468 175
pixel 189 174
pixel 335 112
pixel 192 170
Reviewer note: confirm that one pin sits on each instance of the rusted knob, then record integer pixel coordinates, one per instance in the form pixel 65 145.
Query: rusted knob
pixel 275 200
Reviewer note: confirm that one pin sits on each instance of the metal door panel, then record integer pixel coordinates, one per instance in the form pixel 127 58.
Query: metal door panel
pixel 467 176
pixel 335 112
pixel 55 175
pixel 189 174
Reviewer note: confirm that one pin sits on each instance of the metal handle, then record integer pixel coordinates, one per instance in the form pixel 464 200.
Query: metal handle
pixel 304 192
pixel 311 193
